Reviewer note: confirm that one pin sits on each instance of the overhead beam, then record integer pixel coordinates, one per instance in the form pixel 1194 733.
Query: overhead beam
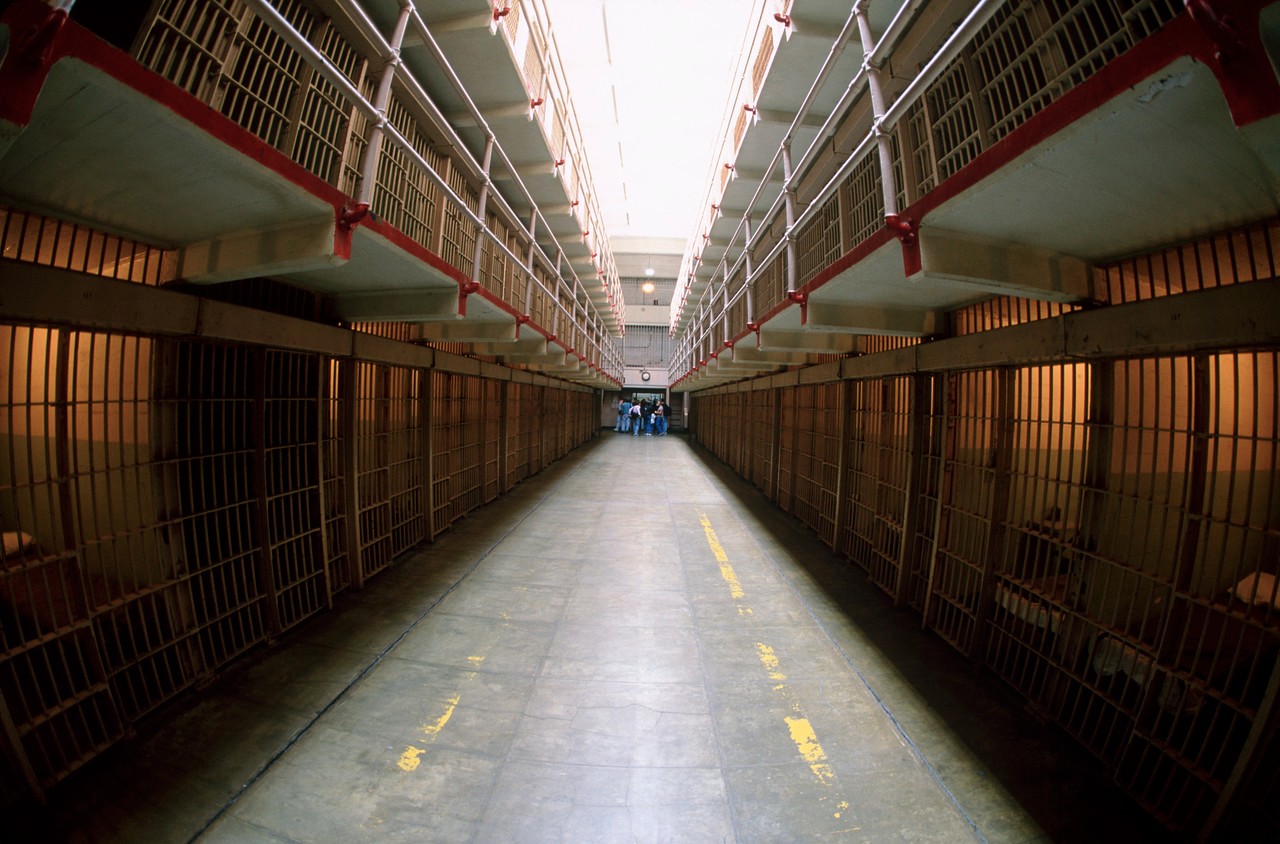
pixel 520 108
pixel 863 319
pixel 461 23
pixel 729 363
pixel 531 346
pixel 784 118
pixel 1002 268
pixel 398 306
pixel 471 331
pixel 743 353
pixel 298 246
pixel 811 342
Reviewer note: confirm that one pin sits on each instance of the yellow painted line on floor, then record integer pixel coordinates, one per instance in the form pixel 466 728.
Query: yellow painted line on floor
pixel 726 570
pixel 770 662
pixel 411 758
pixel 432 730
pixel 806 741
pixel 798 727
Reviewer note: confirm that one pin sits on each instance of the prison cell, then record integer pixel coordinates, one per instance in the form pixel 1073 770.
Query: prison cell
pixel 168 505
pixel 1102 534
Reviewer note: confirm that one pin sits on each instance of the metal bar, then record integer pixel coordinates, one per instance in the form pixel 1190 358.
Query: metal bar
pixel 382 98
pixel 788 237
pixel 348 385
pixel 266 580
pixel 481 209
pixel 883 144
pixel 320 502
pixel 918 444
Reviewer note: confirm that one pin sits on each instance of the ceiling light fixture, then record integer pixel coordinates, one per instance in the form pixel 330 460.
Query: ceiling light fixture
pixel 647 287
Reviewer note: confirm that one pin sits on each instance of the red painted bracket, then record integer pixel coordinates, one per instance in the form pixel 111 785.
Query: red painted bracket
pixel 466 289
pixel 1219 27
pixel 35 29
pixel 348 216
pixel 800 298
pixel 1231 45
pixel 907 231
pixel 352 214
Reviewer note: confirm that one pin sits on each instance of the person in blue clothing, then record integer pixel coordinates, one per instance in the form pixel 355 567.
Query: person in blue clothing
pixel 646 412
pixel 659 418
pixel 624 415
pixel 636 419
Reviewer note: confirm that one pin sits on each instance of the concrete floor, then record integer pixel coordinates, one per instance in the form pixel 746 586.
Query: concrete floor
pixel 632 646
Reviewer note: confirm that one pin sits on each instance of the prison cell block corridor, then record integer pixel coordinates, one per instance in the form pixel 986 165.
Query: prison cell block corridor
pixel 316 528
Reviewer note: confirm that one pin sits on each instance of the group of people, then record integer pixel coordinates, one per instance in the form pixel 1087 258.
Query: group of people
pixel 643 417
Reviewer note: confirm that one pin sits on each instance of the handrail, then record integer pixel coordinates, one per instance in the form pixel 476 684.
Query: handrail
pixel 802 112
pixel 478 117
pixel 975 20
pixel 334 76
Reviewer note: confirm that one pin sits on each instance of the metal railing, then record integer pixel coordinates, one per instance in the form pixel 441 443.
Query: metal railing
pixel 935 122
pixel 253 60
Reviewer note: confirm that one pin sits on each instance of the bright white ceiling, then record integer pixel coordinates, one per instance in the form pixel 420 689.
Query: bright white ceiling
pixel 649 80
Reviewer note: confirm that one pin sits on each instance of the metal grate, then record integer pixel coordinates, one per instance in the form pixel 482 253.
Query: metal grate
pixel 760 438
pixel 929 412
pixel 953 120
pixel 862 198
pixel 404 195
pixel 1241 255
pixel 1000 311
pixel 204 409
pixel 187 43
pixel 262 76
pixel 1034 635
pixel 769 286
pixel 815 457
pixel 320 141
pixel 920 149
pixel 289 456
pixel 51 674
pixel 389 460
pixel 493 443
pixel 876 479
pixel 1013 77
pixel 533 70
pixel 1215 641
pixel 333 491
pixel 458 446
pixel 168 504
pixel 458 232
pixel 1145 17
pixel 34 239
pixel 818 241
pixel 1027 56
pixel 974 419
pixel 129 565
